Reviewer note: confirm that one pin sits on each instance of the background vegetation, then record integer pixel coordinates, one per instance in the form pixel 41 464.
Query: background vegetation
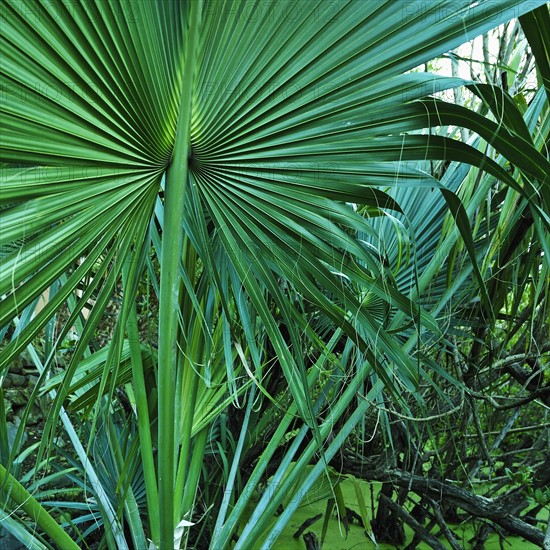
pixel 258 255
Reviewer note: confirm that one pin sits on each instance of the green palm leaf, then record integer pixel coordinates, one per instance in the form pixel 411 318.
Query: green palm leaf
pixel 267 119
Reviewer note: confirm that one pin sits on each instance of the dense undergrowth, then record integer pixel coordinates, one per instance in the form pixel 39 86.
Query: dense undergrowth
pixel 274 271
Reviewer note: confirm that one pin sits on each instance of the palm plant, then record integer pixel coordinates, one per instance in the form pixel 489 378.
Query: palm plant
pixel 249 145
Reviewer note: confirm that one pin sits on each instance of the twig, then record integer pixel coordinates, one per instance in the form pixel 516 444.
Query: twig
pixel 306 524
pixel 420 419
pixel 481 435
pixel 517 402
pixel 495 510
pixel 516 452
pixel 311 541
pixel 516 430
pixel 441 522
pixel 500 438
pixel 424 535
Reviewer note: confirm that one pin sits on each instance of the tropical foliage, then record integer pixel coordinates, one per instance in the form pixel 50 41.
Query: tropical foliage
pixel 303 240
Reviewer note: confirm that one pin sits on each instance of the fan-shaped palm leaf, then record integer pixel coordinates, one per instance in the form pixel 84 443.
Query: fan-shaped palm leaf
pixel 267 118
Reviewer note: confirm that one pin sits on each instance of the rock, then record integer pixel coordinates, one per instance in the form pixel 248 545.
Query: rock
pixel 29 371
pixel 17 366
pixel 13 379
pixel 35 416
pixel 17 398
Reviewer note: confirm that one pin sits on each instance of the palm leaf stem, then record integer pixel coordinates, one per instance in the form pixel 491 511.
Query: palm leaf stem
pixel 176 179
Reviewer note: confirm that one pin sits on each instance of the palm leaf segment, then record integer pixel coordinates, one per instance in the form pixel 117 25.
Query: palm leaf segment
pixel 298 110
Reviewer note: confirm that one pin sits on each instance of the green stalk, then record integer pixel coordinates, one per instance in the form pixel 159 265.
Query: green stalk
pixel 176 180
pixel 4 446
pixel 194 473
pixel 144 425
pixel 195 467
pixel 189 400
pixel 31 506
pixel 188 386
